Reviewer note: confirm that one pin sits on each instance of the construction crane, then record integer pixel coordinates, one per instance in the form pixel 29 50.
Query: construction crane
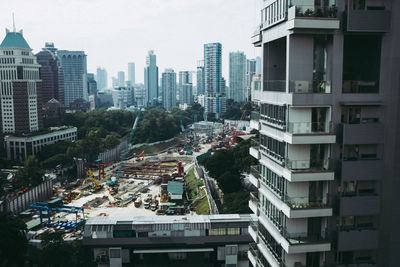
pixel 188 151
pixel 97 186
pixel 125 154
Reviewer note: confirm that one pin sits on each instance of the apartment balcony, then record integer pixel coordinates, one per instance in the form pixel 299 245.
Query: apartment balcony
pixel 253 203
pixel 310 87
pixel 255 120
pixel 255 149
pixel 364 133
pixel 299 207
pixel 255 175
pixel 269 253
pixel 295 242
pixel 309 17
pixel 256 38
pixel 298 133
pixel 359 205
pixel 360 86
pixel 253 254
pixel 358 239
pixel 368 20
pixel 371 169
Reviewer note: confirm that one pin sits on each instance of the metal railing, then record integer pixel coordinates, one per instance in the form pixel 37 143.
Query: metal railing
pixel 274 85
pixel 255 144
pixel 309 164
pixel 255 115
pixel 310 127
pixel 255 171
pixel 354 86
pixel 254 198
pixel 307 11
pixel 301 238
pixel 307 87
pixel 307 202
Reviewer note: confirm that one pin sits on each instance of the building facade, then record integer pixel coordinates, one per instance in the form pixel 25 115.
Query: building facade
pixel 200 78
pixel 204 240
pixel 237 76
pixel 123 97
pixel 121 79
pixel 51 74
pixel 251 66
pixel 151 79
pixel 91 84
pixel 131 73
pixel 327 178
pixel 74 66
pixel 185 77
pixel 101 78
pixel 212 79
pixel 20 86
pixel 20 148
pixel 168 85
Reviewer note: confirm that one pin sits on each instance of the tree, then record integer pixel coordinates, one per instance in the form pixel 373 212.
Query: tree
pixel 229 182
pixel 30 174
pixel 13 243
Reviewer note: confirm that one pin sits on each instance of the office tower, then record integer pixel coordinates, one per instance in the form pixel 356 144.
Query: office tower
pixel 185 92
pixel 151 79
pixel 200 78
pixel 131 73
pixel 237 76
pixel 114 82
pixel 168 84
pixel 251 66
pixel 101 78
pixel 92 84
pixel 74 66
pixel 329 126
pixel 51 74
pixel 121 79
pixel 212 79
pixel 20 86
pixel 223 86
pixel 258 65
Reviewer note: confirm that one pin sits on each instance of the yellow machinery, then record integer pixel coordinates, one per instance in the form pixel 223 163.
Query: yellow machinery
pixel 96 186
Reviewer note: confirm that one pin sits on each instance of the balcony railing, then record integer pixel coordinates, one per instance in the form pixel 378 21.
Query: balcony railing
pixel 255 115
pixel 305 11
pixel 307 202
pixel 255 144
pixel 255 171
pixel 307 87
pixel 358 87
pixel 309 164
pixel 310 127
pixel 271 249
pixel 254 250
pixel 275 85
pixel 301 238
pixel 254 198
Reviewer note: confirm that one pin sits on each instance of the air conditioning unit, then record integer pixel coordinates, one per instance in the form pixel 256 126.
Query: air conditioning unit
pixel 301 86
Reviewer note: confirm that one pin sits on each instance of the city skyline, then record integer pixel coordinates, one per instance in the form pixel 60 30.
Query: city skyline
pixel 128 39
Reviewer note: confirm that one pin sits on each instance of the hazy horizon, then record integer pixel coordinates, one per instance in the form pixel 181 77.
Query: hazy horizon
pixel 113 33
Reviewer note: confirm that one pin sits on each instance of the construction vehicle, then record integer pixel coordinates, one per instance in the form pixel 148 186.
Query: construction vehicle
pixel 141 156
pixel 138 202
pixel 125 154
pixel 94 186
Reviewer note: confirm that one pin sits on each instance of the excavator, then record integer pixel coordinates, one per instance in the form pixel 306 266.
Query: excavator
pixel 95 186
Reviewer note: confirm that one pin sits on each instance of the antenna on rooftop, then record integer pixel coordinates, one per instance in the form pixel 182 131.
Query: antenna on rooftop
pixel 14 23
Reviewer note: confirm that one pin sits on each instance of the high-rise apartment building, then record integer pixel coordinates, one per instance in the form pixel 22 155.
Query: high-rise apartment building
pixel 101 78
pixel 328 178
pixel 74 66
pixel 121 79
pixel 151 79
pixel 131 73
pixel 237 76
pixel 51 74
pixel 185 91
pixel 200 78
pixel 251 66
pixel 168 85
pixel 212 79
pixel 92 84
pixel 20 86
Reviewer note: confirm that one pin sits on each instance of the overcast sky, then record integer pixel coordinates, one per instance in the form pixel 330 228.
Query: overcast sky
pixel 115 32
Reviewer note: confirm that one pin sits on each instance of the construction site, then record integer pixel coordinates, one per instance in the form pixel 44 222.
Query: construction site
pixel 162 183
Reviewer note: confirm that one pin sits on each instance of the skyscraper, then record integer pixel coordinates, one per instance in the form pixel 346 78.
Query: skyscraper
pixel 185 77
pixel 327 176
pixel 168 84
pixel 200 77
pixel 74 66
pixel 250 72
pixel 237 76
pixel 121 79
pixel 131 73
pixel 101 78
pixel 20 86
pixel 212 79
pixel 151 79
pixel 258 65
pixel 92 84
pixel 51 74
